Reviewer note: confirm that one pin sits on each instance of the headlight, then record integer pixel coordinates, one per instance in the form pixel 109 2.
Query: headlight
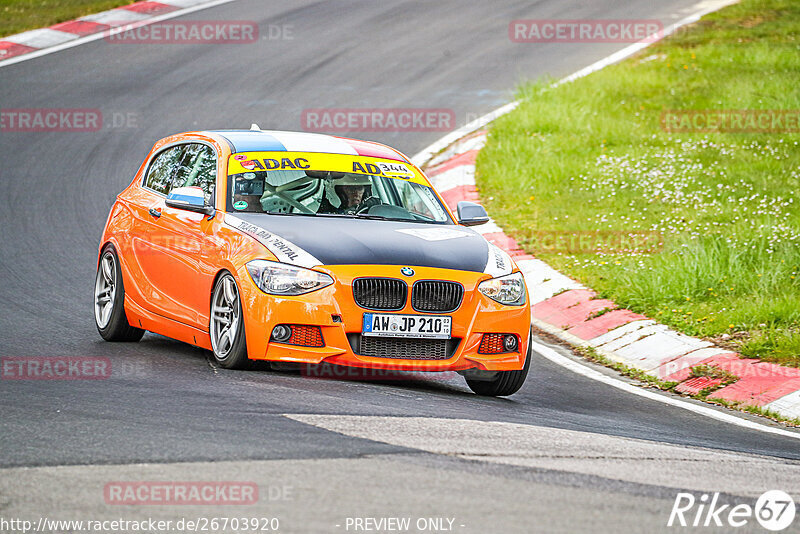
pixel 509 289
pixel 282 279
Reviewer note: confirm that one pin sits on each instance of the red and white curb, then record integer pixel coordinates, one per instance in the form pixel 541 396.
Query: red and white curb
pixel 35 43
pixel 566 309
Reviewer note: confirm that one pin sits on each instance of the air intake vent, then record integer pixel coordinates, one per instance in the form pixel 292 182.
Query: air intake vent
pixel 436 296
pixel 403 348
pixel 380 293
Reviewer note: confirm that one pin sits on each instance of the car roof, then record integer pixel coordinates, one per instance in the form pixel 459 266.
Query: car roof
pixel 282 141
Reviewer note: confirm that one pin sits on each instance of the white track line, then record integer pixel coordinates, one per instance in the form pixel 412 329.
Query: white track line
pixel 588 372
pixel 96 36
pixel 425 155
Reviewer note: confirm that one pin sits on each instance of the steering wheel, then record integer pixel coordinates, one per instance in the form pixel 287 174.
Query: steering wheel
pixel 368 204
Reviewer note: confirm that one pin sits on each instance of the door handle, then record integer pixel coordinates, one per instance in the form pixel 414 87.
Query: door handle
pixel 155 212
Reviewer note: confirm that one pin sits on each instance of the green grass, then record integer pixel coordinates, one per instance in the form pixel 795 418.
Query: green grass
pixel 591 156
pixel 20 15
pixel 712 371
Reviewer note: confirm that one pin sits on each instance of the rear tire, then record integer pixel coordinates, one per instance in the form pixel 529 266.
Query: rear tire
pixel 109 300
pixel 505 383
pixel 227 325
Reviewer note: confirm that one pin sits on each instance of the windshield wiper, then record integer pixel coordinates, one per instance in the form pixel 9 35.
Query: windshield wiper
pixel 376 217
pixel 350 216
pixel 306 214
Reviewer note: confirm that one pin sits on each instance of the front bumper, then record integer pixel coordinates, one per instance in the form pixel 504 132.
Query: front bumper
pixel 334 310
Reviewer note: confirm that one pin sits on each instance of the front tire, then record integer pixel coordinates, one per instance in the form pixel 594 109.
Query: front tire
pixel 109 300
pixel 227 325
pixel 505 382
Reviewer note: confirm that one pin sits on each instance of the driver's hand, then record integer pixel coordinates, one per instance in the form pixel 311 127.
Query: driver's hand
pixel 371 201
pixel 365 205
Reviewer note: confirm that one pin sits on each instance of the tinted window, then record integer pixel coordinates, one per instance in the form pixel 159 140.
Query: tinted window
pixel 418 200
pixel 197 166
pixel 315 192
pixel 159 176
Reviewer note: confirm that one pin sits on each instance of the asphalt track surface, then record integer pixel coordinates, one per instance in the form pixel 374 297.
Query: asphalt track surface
pixel 167 406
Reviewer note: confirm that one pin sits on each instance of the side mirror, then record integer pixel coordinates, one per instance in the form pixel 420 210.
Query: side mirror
pixel 190 199
pixel 471 214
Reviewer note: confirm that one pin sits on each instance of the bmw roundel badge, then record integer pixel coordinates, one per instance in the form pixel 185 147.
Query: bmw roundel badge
pixel 408 271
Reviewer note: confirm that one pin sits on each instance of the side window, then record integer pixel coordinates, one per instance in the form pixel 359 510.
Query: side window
pixel 197 167
pixel 159 176
pixel 409 198
pixel 419 200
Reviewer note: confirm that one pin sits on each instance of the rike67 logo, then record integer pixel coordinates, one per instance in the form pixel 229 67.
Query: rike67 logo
pixel 774 510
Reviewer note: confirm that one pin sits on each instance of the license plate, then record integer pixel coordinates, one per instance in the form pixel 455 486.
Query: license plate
pixel 417 326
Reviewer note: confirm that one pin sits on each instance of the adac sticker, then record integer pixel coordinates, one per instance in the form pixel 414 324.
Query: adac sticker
pixel 273 164
pixel 300 161
pixel 395 169
pixel 241 205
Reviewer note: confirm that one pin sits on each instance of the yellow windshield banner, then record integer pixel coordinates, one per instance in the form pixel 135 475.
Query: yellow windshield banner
pixel 314 161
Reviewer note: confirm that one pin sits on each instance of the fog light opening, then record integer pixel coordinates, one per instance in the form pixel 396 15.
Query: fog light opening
pixel 281 333
pixel 301 335
pixel 510 343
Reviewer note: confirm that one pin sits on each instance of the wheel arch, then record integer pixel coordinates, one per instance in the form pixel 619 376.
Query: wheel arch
pixel 220 273
pixel 103 246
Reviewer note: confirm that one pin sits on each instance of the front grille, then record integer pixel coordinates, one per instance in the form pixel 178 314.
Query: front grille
pixel 436 296
pixel 398 348
pixel 380 293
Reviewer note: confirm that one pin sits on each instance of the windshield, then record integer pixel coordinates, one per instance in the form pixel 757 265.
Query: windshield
pixel 334 193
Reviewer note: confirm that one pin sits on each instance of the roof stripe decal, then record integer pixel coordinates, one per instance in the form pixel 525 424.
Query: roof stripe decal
pixel 373 150
pixel 249 141
pixel 278 141
pixel 307 142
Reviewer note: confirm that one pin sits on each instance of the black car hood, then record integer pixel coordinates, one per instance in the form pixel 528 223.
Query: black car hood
pixel 348 241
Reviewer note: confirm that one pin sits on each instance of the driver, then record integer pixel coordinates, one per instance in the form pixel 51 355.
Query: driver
pixel 353 193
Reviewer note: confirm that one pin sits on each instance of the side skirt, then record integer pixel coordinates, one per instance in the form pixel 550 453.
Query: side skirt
pixel 158 324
